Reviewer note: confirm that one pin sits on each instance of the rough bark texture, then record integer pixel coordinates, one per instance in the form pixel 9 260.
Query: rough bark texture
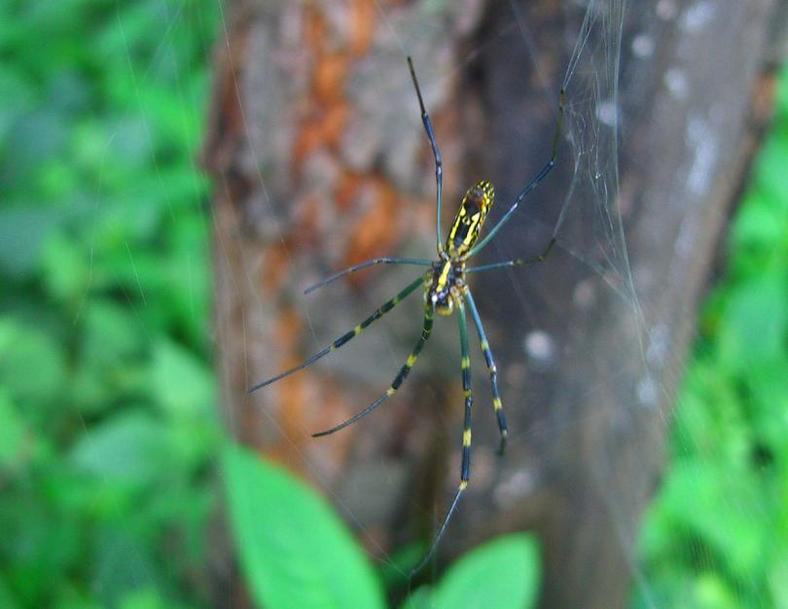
pixel 319 161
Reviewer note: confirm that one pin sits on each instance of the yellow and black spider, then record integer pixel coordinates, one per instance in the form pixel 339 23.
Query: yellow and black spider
pixel 444 289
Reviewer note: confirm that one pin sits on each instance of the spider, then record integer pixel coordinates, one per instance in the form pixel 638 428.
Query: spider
pixel 445 290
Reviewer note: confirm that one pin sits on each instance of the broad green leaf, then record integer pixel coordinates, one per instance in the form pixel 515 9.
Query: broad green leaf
pixel 501 574
pixel 294 550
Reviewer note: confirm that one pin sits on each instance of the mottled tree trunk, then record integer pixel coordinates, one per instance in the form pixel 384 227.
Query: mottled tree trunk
pixel 320 161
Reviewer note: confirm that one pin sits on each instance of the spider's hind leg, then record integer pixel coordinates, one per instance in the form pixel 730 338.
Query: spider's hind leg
pixel 465 467
pixel 488 358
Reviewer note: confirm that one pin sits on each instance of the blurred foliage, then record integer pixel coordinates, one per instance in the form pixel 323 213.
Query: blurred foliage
pixel 717 535
pixel 296 552
pixel 106 394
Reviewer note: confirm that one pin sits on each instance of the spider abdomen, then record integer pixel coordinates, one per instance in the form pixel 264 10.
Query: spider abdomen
pixel 470 217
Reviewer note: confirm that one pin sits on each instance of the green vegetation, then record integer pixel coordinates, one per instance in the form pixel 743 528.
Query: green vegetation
pixel 107 416
pixel 109 434
pixel 299 554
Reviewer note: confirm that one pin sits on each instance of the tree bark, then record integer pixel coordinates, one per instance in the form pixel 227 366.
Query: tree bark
pixel 319 161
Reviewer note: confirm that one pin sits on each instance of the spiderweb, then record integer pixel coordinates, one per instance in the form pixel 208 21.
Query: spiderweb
pixel 577 205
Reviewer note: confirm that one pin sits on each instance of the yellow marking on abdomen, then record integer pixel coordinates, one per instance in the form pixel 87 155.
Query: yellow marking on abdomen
pixel 470 217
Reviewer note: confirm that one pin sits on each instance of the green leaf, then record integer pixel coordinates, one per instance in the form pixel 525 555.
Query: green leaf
pixel 182 384
pixel 6 598
pixel 503 573
pixel 722 507
pixel 12 435
pixel 32 367
pixel 778 578
pixel 122 567
pixel 754 324
pixel 420 599
pixel 129 448
pixel 146 598
pixel 66 270
pixel 294 550
pixel 403 560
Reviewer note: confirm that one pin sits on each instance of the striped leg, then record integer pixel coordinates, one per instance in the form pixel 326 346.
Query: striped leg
pixel 488 357
pixel 466 390
pixel 379 312
pixel 398 380
pixel 366 264
pixel 515 262
pixel 543 172
pixel 436 154
pixel 465 468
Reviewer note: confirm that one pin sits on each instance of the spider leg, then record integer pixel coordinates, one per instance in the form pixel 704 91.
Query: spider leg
pixel 436 153
pixel 398 380
pixel 347 336
pixel 515 262
pixel 367 264
pixel 488 358
pixel 466 436
pixel 533 183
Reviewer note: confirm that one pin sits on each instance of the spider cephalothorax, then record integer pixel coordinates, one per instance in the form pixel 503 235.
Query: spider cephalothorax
pixel 445 291
pixel 444 285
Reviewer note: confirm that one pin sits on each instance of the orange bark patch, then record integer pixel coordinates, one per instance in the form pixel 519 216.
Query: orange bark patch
pixel 290 390
pixel 275 267
pixel 328 111
pixel 375 232
pixel 362 19
pixel 348 186
pixel 329 76
pixel 307 403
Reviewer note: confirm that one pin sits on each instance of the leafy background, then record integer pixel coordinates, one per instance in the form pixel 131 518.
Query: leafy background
pixel 109 437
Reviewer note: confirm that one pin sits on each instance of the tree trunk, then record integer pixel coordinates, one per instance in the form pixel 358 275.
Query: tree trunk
pixel 319 161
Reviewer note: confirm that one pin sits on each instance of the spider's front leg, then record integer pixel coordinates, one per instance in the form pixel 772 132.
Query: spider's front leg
pixel 436 154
